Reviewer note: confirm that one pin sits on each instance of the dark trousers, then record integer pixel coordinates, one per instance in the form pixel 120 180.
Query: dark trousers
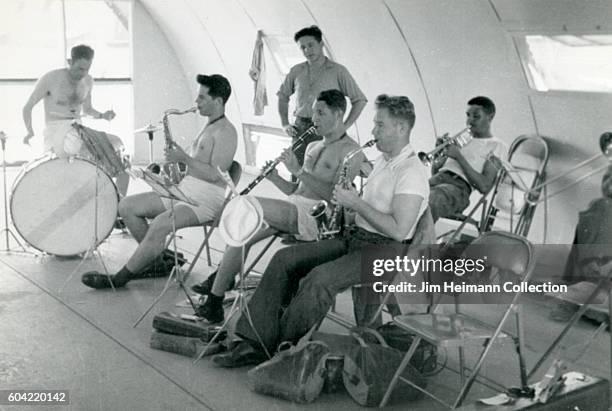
pixel 300 284
pixel 448 195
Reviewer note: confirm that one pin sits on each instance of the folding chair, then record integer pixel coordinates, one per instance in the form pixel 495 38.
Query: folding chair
pixel 235 172
pixel 507 254
pixel 527 158
pixel 524 169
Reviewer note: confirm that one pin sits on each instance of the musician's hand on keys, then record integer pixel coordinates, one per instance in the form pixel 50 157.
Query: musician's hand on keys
pixel 175 153
pixel 27 138
pixel 108 115
pixel 441 140
pixel 290 130
pixel 453 151
pixel 271 174
pixel 346 198
pixel 291 162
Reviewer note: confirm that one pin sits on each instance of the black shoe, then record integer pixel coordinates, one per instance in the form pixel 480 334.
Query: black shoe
pixel 100 281
pixel 206 286
pixel 212 310
pixel 158 268
pixel 242 354
pixel 168 257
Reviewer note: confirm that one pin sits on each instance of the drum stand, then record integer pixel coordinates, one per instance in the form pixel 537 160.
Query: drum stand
pixel 239 306
pixel 6 230
pixel 93 249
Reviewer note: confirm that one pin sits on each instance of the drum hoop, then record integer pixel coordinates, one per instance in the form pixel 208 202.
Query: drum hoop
pixel 46 159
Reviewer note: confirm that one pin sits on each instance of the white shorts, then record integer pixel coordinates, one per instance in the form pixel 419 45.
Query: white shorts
pixel 209 197
pixel 307 225
pixel 61 138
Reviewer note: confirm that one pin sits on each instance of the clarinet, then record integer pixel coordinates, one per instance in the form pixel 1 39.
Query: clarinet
pixel 271 166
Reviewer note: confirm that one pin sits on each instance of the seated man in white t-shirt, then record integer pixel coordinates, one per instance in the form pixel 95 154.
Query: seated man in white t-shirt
pixel 300 283
pixel 472 165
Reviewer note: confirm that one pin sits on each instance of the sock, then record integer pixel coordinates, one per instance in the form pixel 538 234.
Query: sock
pixel 215 300
pixel 124 275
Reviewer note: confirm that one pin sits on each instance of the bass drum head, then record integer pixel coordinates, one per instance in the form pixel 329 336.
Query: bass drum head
pixel 54 209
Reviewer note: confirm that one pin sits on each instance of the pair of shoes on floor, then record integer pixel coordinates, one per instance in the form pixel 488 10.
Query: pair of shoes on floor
pixel 563 311
pixel 205 286
pixel 99 281
pixel 240 355
pixel 210 311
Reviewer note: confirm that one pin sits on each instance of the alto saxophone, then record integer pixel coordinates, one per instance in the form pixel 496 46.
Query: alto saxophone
pixel 333 225
pixel 174 171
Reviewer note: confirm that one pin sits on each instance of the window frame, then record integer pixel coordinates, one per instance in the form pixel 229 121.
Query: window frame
pixel 520 44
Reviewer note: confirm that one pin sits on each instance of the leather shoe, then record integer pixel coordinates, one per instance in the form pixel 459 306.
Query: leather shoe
pixel 242 354
pixel 100 281
pixel 211 312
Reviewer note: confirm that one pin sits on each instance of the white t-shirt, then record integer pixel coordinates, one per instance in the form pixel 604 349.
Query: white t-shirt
pixel 476 153
pixel 402 174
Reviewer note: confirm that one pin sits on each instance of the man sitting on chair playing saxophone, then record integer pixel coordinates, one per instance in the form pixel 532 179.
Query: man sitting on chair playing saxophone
pixel 316 179
pixel 214 148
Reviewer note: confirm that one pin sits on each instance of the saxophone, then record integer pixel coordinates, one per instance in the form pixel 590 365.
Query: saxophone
pixel 331 226
pixel 174 171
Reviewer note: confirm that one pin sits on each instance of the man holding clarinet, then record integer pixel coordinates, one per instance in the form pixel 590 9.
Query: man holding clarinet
pixel 316 180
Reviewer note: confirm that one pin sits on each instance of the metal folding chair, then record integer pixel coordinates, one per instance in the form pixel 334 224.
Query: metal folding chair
pixel 235 172
pixel 507 254
pixel 505 207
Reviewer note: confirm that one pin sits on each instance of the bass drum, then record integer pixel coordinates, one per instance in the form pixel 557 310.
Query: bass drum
pixel 54 207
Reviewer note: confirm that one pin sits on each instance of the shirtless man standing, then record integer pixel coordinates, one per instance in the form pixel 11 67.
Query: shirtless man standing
pixel 316 180
pixel 66 94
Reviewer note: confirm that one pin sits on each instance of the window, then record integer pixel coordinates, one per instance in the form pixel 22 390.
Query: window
pixel 264 144
pixel 38 36
pixel 567 62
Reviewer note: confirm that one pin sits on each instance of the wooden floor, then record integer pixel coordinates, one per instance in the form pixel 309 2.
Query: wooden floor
pixel 58 334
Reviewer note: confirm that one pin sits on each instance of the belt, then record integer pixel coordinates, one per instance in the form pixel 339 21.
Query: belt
pixel 370 237
pixel 457 177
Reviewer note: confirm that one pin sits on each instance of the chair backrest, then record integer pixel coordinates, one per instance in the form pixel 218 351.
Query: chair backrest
pixel 235 171
pixel 529 156
pixel 504 250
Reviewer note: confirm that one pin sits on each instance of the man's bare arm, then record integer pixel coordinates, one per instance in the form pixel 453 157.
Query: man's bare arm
pixel 37 94
pixel 353 115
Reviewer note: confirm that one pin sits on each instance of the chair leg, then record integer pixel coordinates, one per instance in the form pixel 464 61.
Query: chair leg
pixel 197 254
pixel 520 349
pixel 474 373
pixel 400 370
pixel 207 234
pixel 462 365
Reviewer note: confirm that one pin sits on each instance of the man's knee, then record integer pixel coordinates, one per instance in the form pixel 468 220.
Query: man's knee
pixel 318 286
pixel 159 228
pixel 127 207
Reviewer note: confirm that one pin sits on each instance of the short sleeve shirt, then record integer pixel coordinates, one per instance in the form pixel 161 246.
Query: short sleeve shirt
pixel 402 174
pixel 476 152
pixel 307 85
